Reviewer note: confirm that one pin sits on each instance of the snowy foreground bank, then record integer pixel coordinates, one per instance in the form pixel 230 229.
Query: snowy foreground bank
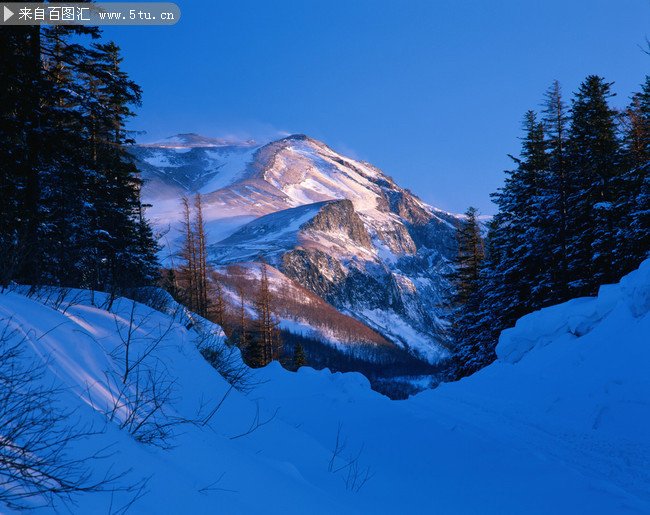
pixel 559 424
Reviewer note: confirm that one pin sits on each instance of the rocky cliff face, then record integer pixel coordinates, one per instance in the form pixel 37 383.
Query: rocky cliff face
pixel 339 217
pixel 340 228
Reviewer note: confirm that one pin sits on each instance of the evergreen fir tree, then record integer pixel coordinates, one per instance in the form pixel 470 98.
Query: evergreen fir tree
pixel 466 299
pixel 71 187
pixel 574 214
pixel 470 256
pixel 299 357
pixel 633 235
pixel 519 233
pixel 513 278
pixel 595 167
pixel 554 197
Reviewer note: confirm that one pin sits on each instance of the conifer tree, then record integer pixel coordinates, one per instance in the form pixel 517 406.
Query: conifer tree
pixel 188 266
pixel 267 345
pixel 217 301
pixel 574 214
pixel 299 357
pixel 71 188
pixel 555 195
pixel 633 235
pixel 244 340
pixel 512 279
pixel 595 167
pixel 570 215
pixel 470 256
pixel 201 259
pixel 467 299
pixel 194 269
pixel 518 234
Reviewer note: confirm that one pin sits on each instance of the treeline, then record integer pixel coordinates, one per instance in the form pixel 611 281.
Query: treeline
pixel 290 300
pixel 241 300
pixel 378 363
pixel 194 282
pixel 572 215
pixel 69 193
pixel 370 360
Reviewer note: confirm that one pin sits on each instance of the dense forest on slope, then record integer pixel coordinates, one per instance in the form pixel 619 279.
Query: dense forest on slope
pixel 69 191
pixel 572 215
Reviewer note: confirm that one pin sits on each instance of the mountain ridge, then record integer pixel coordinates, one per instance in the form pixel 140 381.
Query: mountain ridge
pixel 194 140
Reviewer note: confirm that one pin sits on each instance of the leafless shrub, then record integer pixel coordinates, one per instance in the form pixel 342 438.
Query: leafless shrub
pixel 143 388
pixel 204 419
pixel 55 297
pixel 256 423
pixel 146 344
pixel 355 475
pixel 226 360
pixel 339 447
pixel 162 301
pixel 140 406
pixel 145 391
pixel 155 298
pixel 35 468
pixel 212 487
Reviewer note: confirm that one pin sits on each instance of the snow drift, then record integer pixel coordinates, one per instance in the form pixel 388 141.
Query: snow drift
pixel 558 424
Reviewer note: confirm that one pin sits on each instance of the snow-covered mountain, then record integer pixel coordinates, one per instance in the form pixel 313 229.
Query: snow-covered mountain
pixel 341 228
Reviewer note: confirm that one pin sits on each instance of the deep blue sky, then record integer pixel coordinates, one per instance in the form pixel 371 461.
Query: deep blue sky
pixel 432 92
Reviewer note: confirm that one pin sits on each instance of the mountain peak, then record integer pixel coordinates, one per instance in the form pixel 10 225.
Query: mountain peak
pixel 298 137
pixel 193 140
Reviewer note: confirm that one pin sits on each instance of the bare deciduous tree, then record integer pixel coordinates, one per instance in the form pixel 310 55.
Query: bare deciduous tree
pixel 193 270
pixel 268 335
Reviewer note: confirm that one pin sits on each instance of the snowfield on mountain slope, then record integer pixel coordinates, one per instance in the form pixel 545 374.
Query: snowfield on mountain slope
pixel 557 425
pixel 266 234
pixel 203 169
pixel 274 234
pixel 392 325
pixel 306 171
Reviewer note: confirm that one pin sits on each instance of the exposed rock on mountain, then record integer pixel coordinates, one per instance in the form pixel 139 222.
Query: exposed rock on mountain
pixel 339 217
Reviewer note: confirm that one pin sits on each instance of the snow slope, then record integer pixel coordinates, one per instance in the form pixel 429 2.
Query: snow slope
pixel 557 425
pixel 266 235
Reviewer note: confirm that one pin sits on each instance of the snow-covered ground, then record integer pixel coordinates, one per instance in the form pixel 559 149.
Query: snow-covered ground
pixel 559 424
